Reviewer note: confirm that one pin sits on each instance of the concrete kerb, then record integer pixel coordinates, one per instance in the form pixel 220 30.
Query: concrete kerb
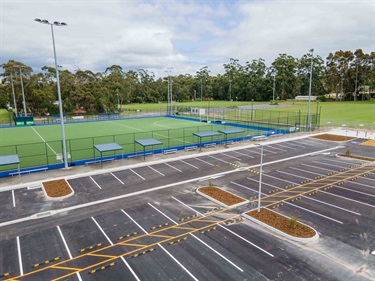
pixel 297 239
pixel 77 174
pixel 221 203
pixel 58 198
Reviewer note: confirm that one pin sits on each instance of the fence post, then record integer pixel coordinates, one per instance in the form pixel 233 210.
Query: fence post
pixel 45 147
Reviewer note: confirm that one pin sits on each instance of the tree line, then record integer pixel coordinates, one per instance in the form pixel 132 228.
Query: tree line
pixel 345 72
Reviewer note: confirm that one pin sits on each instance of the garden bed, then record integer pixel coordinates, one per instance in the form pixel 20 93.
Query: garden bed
pixel 357 157
pixel 289 227
pixel 57 189
pixel 222 197
pixel 330 137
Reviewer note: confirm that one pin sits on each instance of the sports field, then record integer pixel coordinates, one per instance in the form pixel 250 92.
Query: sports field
pixel 41 145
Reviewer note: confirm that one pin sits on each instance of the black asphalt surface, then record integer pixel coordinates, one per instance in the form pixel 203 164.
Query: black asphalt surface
pixel 128 237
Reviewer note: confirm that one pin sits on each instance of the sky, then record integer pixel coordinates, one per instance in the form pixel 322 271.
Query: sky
pixel 180 35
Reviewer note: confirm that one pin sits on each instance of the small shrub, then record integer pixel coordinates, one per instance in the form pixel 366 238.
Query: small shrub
pixel 211 183
pixel 348 152
pixel 293 221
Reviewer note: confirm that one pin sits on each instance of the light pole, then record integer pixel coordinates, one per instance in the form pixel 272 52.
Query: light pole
pixel 273 95
pixel 308 104
pixel 260 174
pixel 356 81
pixel 14 96
pixel 252 108
pixel 56 23
pixel 23 93
pixel 230 90
pixel 201 90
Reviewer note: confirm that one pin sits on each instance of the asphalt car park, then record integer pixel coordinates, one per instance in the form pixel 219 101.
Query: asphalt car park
pixel 147 223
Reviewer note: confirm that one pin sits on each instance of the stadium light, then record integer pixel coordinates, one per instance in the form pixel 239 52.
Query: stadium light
pixel 230 90
pixel 308 104
pixel 274 76
pixel 23 92
pixel 260 174
pixel 14 96
pixel 56 23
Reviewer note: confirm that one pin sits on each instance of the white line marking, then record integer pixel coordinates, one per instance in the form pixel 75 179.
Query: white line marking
pixel 218 159
pixel 199 239
pixel 212 249
pixel 208 163
pixel 160 245
pixel 325 192
pixel 110 242
pixel 187 271
pixel 254 245
pixel 102 231
pixel 341 187
pixel 14 199
pixel 67 250
pixel 277 148
pixel 19 255
pixel 43 140
pixel 134 221
pixel 309 142
pixel 289 147
pixel 137 174
pixel 315 167
pixel 252 151
pixel 117 178
pixel 307 197
pixel 231 156
pixel 173 167
pixel 95 182
pixel 189 164
pixel 293 144
pixel 251 243
pixel 242 154
pixel 330 165
pixel 340 222
pixel 353 161
pixel 156 171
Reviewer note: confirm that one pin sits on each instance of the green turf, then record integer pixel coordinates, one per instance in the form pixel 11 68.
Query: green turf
pixel 39 145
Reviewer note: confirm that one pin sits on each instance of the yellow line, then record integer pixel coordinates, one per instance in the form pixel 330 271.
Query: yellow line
pixel 159 235
pixel 187 228
pixel 205 221
pixel 100 255
pixel 129 244
pixel 67 268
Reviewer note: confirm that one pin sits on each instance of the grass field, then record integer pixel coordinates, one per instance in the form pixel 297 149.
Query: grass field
pixel 40 145
pixel 337 113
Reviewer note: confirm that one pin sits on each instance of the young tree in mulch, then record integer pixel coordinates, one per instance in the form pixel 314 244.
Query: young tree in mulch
pixel 290 226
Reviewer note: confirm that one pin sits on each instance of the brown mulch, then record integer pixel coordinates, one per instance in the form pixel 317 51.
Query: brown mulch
pixel 357 157
pixel 330 137
pixel 57 188
pixel 221 195
pixel 288 226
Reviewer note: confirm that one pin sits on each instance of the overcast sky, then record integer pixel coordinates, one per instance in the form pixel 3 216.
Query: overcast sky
pixel 185 35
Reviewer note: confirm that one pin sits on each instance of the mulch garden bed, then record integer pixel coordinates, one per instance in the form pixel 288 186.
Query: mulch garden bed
pixel 357 157
pixel 330 137
pixel 57 188
pixel 286 225
pixel 221 195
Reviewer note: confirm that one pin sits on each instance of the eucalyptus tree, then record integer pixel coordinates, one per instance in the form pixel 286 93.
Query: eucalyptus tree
pixel 285 66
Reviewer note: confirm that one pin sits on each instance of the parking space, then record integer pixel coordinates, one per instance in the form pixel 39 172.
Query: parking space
pixel 174 233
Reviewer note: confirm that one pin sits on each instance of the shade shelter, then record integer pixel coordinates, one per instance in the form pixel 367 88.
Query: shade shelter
pixel 201 135
pixel 230 132
pixel 10 160
pixel 105 147
pixel 146 143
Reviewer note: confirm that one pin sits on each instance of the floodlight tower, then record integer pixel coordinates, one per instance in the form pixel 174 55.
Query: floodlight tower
pixel 56 23
pixel 308 104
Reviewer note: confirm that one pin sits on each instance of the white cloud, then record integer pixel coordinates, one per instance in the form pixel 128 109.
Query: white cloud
pixel 183 34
